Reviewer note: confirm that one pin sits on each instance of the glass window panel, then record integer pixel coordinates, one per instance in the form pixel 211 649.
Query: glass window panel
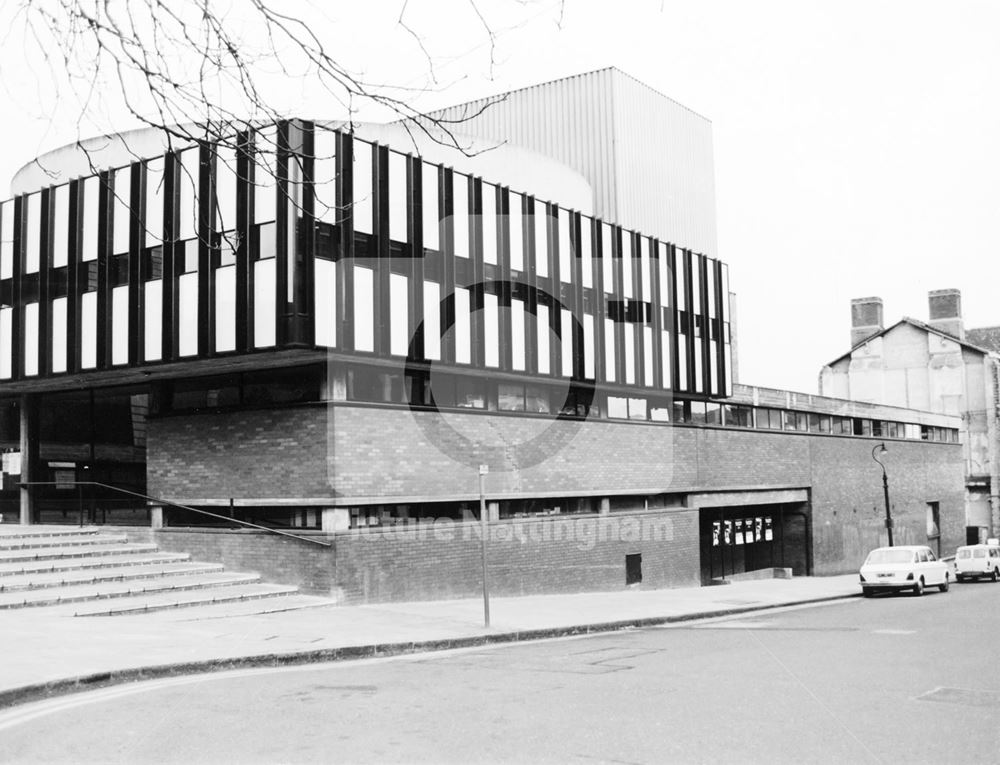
pixel 609 350
pixel 122 210
pixel 398 218
pixel 659 414
pixel 536 399
pixel 696 305
pixel 710 280
pixel 225 309
pixel 265 175
pixel 187 313
pixel 661 265
pixel 647 351
pixel 647 271
pixel 31 339
pixel 263 303
pixel 119 325
pixel 295 214
pixel 628 256
pixel 517 334
pixel 7 240
pixel 463 343
pixel 713 365
pixel 728 371
pixel 541 239
pixel 586 255
pixel 637 409
pixel 617 408
pixel 489 223
pixel 725 291
pixel 510 397
pixel 629 353
pixel 325 175
pixel 6 340
pixel 225 188
pixel 187 216
pixel 588 346
pixel 59 334
pixel 432 320
pixel 460 205
pixel 152 325
pixel 91 200
pixel 699 384
pixel 565 249
pixel 491 330
pixel 680 265
pixel 567 343
pixel 154 202
pixel 516 220
pixel 364 309
pixel 60 227
pixel 542 327
pixel 325 276
pixel 399 328
pixel 429 200
pixel 88 330
pixel 33 232
pixel 608 262
pixel 665 358
pixel 682 377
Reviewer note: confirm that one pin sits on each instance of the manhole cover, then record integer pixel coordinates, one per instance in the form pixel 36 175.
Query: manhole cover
pixel 964 696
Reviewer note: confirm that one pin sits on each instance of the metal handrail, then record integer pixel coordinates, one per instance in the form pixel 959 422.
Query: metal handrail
pixel 160 501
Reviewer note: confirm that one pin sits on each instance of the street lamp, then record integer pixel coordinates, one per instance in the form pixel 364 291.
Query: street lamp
pixel 880 449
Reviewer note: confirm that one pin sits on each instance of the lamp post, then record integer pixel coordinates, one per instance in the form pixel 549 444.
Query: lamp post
pixel 880 449
pixel 484 528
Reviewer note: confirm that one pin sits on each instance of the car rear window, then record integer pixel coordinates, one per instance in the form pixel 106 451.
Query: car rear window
pixel 890 556
pixel 979 553
pixel 964 554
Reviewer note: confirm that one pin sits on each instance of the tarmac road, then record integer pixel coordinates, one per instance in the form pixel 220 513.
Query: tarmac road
pixel 890 679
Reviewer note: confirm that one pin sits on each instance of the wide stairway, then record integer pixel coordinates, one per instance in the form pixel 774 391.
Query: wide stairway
pixel 89 572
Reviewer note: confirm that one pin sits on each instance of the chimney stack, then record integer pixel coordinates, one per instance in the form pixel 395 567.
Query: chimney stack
pixel 866 319
pixel 945 312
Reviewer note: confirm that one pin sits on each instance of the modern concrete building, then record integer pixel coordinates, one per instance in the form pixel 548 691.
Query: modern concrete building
pixel 334 334
pixel 939 366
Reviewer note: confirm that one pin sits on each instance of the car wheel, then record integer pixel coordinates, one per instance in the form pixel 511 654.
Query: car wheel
pixel 995 576
pixel 944 585
pixel 918 588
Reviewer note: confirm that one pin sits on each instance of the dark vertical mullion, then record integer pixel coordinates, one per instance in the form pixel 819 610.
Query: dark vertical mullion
pixel 17 315
pixel 105 231
pixel 619 296
pixel 137 269
pixel 244 204
pixel 380 251
pixel 555 290
pixel 345 261
pixel 706 329
pixel 674 288
pixel 446 210
pixel 655 293
pixel 692 309
pixel 74 339
pixel 638 339
pixel 600 312
pixel 205 199
pixel 281 224
pixel 477 298
pixel 504 278
pixel 528 223
pixel 576 290
pixel 720 326
pixel 171 251
pixel 415 238
pixel 44 267
pixel 305 241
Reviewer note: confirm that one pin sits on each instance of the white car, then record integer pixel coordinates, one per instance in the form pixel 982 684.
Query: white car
pixel 975 561
pixel 907 567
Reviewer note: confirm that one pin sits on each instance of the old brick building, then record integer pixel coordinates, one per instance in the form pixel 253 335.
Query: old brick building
pixel 328 332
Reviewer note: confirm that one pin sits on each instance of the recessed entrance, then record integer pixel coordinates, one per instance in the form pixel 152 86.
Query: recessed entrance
pixel 735 540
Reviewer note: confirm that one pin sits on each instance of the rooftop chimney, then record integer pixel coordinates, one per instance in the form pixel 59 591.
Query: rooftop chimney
pixel 866 319
pixel 945 312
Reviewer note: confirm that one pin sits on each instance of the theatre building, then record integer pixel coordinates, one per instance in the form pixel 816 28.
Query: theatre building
pixel 333 333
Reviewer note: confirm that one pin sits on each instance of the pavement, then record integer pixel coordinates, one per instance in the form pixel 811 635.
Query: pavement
pixel 47 651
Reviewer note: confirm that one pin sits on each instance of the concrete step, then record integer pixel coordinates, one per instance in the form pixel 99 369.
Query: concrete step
pixel 46 579
pixel 164 601
pixel 174 585
pixel 55 553
pixel 59 542
pixel 258 607
pixel 19 567
pixel 12 531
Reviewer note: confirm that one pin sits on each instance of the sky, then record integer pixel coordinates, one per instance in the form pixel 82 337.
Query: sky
pixel 857 144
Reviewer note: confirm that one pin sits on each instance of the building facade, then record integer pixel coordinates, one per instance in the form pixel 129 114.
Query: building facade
pixel 938 366
pixel 307 329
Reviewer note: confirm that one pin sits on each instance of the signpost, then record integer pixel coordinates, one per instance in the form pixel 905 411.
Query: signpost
pixel 484 528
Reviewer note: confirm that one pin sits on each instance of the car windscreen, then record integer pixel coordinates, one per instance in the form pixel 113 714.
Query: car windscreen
pixel 964 554
pixel 979 553
pixel 875 557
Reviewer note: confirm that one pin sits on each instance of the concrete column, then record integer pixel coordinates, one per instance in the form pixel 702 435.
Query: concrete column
pixel 493 511
pixel 605 507
pixel 156 517
pixel 335 519
pixel 29 452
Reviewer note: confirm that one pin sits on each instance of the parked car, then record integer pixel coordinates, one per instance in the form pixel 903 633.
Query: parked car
pixel 976 561
pixel 907 567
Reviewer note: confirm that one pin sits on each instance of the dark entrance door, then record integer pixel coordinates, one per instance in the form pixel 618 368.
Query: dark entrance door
pixel 735 540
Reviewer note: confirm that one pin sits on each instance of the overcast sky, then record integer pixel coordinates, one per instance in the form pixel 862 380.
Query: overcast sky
pixel 857 143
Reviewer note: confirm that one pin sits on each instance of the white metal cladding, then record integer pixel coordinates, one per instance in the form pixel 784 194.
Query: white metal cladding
pixel 649 159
